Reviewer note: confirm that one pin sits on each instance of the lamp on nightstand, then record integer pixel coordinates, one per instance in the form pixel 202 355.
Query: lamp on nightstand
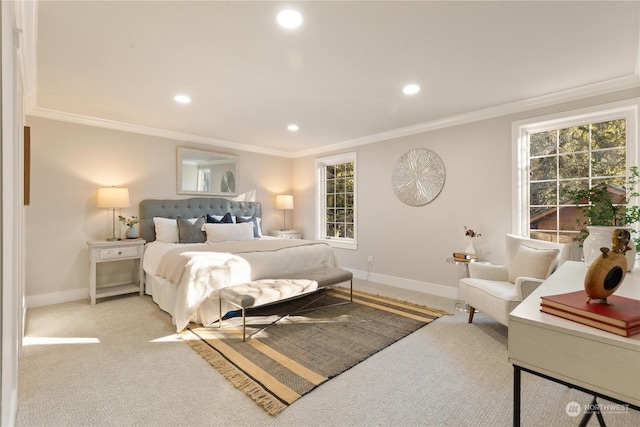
pixel 284 202
pixel 113 198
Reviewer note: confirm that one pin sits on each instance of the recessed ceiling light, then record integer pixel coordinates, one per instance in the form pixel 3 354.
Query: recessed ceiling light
pixel 182 99
pixel 411 89
pixel 289 18
pixel 293 128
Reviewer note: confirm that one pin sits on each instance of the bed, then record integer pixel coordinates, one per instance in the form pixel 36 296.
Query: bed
pixel 183 274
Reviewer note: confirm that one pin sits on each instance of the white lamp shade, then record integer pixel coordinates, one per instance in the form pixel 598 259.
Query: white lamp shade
pixel 112 197
pixel 284 201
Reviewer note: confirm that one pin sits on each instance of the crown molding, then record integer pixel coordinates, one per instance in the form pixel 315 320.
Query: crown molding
pixel 596 89
pixel 575 94
pixel 64 116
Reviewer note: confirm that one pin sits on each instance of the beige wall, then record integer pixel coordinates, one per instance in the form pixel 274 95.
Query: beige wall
pixel 69 163
pixel 410 245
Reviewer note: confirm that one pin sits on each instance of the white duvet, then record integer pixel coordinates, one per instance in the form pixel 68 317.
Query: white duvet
pixel 200 270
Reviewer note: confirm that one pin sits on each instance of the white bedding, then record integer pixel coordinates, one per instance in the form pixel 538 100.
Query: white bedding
pixel 205 272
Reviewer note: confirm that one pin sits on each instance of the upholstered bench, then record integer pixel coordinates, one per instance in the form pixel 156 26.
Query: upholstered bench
pixel 269 291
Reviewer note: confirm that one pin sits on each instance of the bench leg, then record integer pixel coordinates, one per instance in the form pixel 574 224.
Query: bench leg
pixel 302 309
pixel 244 323
pixel 244 333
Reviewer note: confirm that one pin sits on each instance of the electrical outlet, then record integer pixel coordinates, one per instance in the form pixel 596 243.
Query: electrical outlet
pixel 370 259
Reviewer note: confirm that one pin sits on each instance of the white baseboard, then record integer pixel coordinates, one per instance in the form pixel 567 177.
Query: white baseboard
pixel 412 285
pixel 398 282
pixel 57 297
pixel 9 416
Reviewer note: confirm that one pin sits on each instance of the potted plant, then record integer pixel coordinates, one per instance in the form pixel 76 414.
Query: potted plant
pixel 605 211
pixel 632 212
pixel 132 232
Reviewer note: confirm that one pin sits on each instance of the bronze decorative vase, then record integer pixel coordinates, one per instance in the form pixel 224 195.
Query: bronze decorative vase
pixel 607 272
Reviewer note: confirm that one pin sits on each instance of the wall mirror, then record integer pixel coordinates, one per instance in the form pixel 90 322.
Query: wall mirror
pixel 206 173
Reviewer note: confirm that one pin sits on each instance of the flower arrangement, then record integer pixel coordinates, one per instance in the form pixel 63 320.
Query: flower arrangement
pixel 129 222
pixel 470 233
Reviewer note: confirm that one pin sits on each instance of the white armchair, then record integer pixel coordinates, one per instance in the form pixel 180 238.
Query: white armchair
pixel 497 289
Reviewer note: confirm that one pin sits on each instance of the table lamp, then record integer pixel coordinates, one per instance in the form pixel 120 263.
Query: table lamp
pixel 113 198
pixel 284 202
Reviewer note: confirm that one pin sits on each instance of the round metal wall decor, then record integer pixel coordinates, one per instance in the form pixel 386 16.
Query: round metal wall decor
pixel 418 177
pixel 228 183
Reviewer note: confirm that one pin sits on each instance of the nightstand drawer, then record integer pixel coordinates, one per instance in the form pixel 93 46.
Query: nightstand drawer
pixel 114 253
pixel 286 234
pixel 289 236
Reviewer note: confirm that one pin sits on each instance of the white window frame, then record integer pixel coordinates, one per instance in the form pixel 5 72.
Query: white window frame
pixel 627 109
pixel 321 204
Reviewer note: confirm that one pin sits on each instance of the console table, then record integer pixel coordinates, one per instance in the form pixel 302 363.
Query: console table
pixel 596 362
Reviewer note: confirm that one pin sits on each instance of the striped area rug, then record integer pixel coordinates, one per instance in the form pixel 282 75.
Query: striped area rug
pixel 282 363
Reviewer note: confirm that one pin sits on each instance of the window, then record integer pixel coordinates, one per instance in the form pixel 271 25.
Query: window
pixel 204 180
pixel 562 155
pixel 336 200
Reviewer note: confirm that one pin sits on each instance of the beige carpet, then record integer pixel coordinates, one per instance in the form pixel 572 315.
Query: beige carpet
pixel 119 363
pixel 293 356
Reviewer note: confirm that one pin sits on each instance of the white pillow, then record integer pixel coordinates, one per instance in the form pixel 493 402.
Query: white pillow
pixel 259 225
pixel 167 229
pixel 532 262
pixel 227 232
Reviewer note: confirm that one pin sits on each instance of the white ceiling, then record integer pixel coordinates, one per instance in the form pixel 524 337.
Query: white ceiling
pixel 339 76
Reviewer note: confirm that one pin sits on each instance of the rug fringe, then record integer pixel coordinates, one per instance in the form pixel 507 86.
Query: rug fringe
pixel 384 297
pixel 239 380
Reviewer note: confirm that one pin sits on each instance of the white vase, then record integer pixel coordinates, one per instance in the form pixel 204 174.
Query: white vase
pixel 470 249
pixel 601 237
pixel 132 233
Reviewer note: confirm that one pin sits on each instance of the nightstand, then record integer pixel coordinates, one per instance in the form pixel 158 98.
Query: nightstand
pixel 120 250
pixel 286 234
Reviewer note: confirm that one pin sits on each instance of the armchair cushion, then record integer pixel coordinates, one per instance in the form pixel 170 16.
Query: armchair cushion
pixel 532 262
pixel 492 288
pixel 494 298
pixel 488 271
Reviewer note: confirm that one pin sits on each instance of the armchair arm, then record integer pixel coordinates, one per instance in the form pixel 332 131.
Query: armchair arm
pixel 488 272
pixel 526 285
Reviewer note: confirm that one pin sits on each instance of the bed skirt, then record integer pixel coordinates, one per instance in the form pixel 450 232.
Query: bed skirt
pixel 164 294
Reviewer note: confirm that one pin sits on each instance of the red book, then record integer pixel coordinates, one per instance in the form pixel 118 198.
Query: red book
pixel 621 312
pixel 625 332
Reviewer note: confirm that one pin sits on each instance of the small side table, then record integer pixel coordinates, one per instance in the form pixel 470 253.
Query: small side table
pixel 110 251
pixel 463 306
pixel 286 234
pixel 452 260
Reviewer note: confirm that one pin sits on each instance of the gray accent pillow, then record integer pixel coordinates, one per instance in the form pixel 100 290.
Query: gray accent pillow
pixel 189 232
pixel 256 229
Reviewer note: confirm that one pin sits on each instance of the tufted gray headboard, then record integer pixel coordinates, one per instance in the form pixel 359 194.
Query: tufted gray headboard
pixel 190 208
